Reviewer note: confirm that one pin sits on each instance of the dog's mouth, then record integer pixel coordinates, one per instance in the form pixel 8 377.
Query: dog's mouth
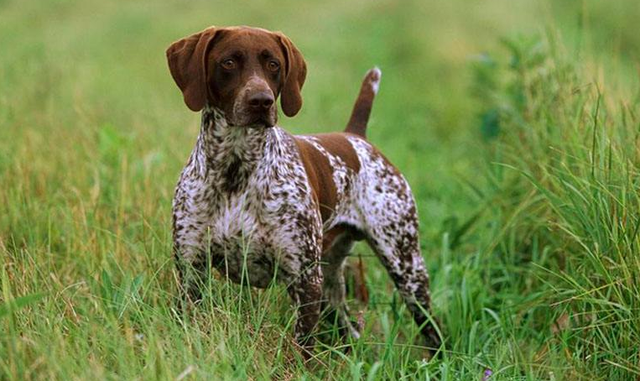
pixel 261 121
pixel 245 119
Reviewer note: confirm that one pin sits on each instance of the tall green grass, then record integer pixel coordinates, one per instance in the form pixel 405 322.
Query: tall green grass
pixel 524 162
pixel 571 153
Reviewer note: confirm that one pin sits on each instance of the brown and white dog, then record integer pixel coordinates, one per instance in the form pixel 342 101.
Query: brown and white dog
pixel 258 203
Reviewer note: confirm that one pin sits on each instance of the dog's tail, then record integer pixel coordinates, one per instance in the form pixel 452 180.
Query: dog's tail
pixel 362 109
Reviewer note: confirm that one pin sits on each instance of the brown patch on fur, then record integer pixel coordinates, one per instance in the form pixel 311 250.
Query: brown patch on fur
pixel 319 168
pixel 336 143
pixel 320 176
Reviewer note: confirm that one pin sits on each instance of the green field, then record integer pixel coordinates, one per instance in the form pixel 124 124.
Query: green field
pixel 517 124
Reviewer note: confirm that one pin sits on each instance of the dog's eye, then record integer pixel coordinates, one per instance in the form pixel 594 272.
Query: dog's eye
pixel 229 64
pixel 273 65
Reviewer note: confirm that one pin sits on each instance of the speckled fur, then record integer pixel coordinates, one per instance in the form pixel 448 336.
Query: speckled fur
pixel 244 203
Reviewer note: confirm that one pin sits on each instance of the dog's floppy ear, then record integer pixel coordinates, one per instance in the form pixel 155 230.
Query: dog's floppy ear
pixel 187 62
pixel 294 76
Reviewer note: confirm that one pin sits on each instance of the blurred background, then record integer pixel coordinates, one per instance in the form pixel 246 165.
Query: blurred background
pixel 94 133
pixel 77 76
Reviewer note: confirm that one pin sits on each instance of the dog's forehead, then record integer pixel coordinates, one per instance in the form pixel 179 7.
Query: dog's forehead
pixel 248 39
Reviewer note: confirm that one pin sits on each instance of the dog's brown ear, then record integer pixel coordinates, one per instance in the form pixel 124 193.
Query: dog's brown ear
pixel 187 63
pixel 294 76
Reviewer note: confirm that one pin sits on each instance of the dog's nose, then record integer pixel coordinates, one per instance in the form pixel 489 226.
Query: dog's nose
pixel 260 101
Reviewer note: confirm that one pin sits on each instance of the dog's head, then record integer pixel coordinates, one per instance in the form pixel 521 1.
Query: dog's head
pixel 241 71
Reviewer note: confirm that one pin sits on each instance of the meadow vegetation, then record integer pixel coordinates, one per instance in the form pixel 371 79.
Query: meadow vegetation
pixel 516 123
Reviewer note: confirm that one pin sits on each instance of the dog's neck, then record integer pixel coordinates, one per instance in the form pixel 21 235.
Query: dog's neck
pixel 229 153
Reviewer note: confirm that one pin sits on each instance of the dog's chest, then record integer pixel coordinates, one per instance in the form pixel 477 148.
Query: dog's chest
pixel 240 243
pixel 249 209
pixel 235 218
pixel 250 232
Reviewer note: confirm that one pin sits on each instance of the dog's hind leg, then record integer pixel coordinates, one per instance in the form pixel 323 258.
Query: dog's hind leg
pixel 392 232
pixel 400 255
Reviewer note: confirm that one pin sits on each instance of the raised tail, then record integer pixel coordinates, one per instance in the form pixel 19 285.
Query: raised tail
pixel 362 108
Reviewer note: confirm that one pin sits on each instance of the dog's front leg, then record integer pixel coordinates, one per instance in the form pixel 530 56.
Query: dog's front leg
pixel 306 293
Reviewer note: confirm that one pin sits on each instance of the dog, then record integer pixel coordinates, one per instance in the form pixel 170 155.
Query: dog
pixel 259 204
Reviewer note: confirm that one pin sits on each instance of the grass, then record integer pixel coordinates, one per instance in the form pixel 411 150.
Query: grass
pixel 517 124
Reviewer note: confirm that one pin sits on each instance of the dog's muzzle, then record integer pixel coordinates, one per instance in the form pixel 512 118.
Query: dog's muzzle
pixel 255 105
pixel 260 106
